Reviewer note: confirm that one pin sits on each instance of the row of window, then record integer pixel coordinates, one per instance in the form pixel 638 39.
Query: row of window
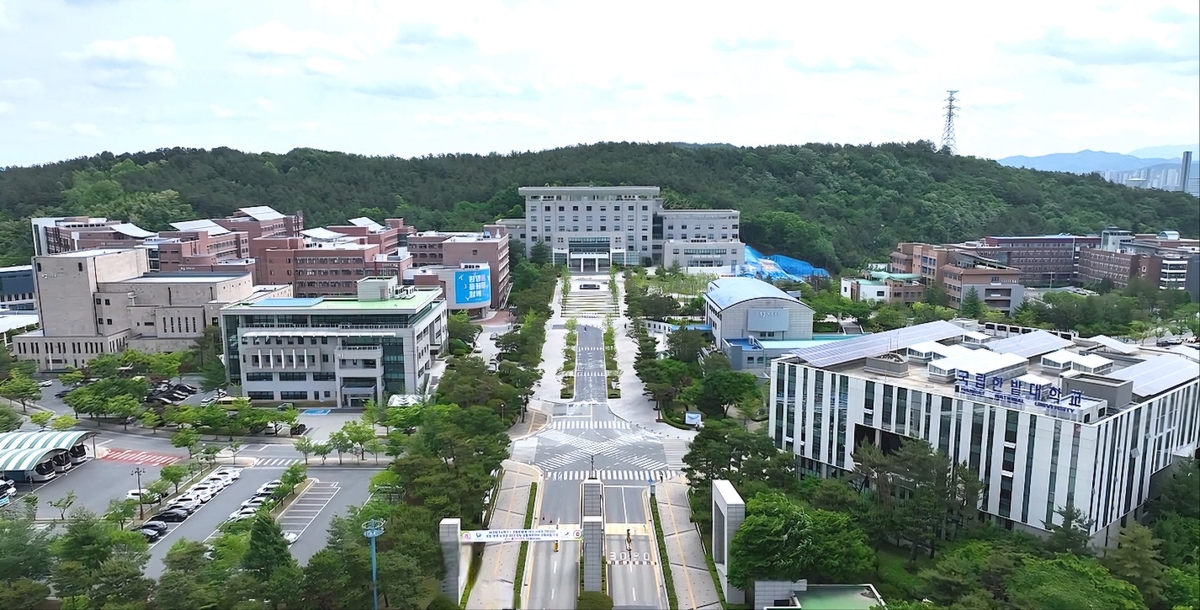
pixel 290 376
pixel 289 395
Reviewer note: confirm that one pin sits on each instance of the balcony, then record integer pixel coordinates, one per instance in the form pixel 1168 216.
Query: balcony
pixel 358 352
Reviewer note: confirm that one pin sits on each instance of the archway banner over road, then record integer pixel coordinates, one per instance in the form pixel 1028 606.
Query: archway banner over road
pixel 539 535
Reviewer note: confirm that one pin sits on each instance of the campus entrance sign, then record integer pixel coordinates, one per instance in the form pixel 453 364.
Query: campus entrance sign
pixel 542 535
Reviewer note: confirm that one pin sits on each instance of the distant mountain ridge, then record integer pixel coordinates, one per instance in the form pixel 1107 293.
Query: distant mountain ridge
pixel 1088 161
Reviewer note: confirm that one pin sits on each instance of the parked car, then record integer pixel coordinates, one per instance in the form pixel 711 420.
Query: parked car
pixel 192 495
pixel 298 429
pixel 494 336
pixel 287 406
pixel 291 537
pixel 154 525
pixel 209 487
pixel 269 486
pixel 47 383
pixel 254 502
pixel 228 471
pixel 62 393
pixel 173 515
pixel 151 535
pixel 190 506
pixel 142 495
pixel 242 513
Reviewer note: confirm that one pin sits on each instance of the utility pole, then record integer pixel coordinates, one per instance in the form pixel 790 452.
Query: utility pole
pixel 948 129
pixel 372 529
pixel 138 472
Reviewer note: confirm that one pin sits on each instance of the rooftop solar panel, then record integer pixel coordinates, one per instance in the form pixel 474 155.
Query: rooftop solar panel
pixel 1113 344
pixel 1158 375
pixel 849 350
pixel 1029 345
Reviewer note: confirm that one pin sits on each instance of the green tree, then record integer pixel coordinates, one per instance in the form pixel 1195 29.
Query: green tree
pixel 340 442
pixel 41 419
pixel 150 419
pixel 9 419
pixel 458 326
pixel 124 407
pixel 24 548
pixel 70 377
pixel 305 446
pixel 268 551
pixel 104 366
pixel 61 423
pixel 1180 538
pixel 1070 581
pixel 1181 493
pixel 971 306
pixel 685 345
pixel 121 511
pixel 212 375
pixel 64 504
pixel 1182 588
pixel 186 439
pixel 173 474
pixel 23 594
pixel 1136 560
pixel 1070 536
pixel 19 387
pixel 716 393
pixel 322 450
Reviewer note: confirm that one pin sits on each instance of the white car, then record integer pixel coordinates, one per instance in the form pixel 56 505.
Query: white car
pixel 253 503
pixel 196 495
pixel 242 513
pixel 269 486
pixel 227 472
pixel 141 495
pixel 46 384
pixel 189 505
pixel 291 537
pixel 224 480
pixel 207 487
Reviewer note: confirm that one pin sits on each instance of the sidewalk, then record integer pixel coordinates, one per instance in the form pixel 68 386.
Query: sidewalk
pixel 547 390
pixel 633 405
pixel 494 585
pixel 694 587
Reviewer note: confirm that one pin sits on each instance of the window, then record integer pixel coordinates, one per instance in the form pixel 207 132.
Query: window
pixel 107 302
pixel 324 376
pixel 293 376
pixel 324 357
pixel 108 321
pixel 260 395
pixel 260 376
pixel 293 395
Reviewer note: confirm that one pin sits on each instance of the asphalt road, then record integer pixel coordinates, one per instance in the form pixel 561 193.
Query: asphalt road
pixel 352 485
pixel 633 573
pixel 95 483
pixel 586 437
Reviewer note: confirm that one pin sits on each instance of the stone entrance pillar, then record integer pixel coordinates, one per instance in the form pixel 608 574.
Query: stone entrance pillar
pixel 449 536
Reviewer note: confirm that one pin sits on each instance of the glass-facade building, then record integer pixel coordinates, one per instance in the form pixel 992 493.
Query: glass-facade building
pixel 334 351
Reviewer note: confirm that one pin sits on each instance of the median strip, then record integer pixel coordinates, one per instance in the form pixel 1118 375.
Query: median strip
pixel 519 578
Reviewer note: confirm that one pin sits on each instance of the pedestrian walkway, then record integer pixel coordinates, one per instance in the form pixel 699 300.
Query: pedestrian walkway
pixel 640 476
pixel 675 449
pixel 493 588
pixel 131 456
pixel 276 462
pixel 694 585
pixel 590 424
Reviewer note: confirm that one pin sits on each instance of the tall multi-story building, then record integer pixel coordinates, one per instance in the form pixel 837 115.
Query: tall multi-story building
pixel 16 288
pixel 884 287
pixel 338 351
pixel 94 302
pixel 323 262
pixel 1044 260
pixel 71 233
pixel 1163 259
pixel 263 221
pixel 458 260
pixel 1043 421
pixel 959 271
pixel 590 228
pixel 199 245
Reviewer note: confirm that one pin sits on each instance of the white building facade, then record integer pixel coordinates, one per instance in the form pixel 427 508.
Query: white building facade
pixel 590 228
pixel 1042 430
pixel 336 351
pixel 747 315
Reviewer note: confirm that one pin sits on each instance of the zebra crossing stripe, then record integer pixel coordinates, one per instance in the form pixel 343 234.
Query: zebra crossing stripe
pixel 613 475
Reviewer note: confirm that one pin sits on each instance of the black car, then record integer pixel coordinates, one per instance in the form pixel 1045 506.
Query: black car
pixel 298 429
pixel 150 534
pixel 62 394
pixel 154 525
pixel 173 515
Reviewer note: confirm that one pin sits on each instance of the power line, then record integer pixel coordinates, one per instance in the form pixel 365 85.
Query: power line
pixel 948 129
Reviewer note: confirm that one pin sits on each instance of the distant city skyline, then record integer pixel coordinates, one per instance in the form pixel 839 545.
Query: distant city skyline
pixel 408 79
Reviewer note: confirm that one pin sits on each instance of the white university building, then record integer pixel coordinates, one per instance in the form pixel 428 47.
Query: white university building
pixel 1042 420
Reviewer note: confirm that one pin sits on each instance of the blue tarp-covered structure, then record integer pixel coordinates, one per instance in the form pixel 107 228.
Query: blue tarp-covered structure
pixel 778 267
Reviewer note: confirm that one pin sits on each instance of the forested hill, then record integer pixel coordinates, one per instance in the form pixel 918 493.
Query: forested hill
pixel 833 205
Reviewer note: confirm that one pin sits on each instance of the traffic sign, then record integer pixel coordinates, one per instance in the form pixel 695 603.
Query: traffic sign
pixel 538 535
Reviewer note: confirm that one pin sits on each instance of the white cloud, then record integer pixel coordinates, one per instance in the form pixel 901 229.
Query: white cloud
pixel 221 112
pixel 5 107
pixel 324 65
pixel 1175 93
pixel 265 104
pixel 275 38
pixel 5 24
pixel 21 87
pixel 141 50
pixel 992 97
pixel 86 129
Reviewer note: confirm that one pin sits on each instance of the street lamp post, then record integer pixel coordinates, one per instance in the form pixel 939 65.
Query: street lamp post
pixel 138 472
pixel 372 529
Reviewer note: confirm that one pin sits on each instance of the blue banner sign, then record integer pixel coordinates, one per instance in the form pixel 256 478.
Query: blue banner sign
pixel 1018 394
pixel 473 287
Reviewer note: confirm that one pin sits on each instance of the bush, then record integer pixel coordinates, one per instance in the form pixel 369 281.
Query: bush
pixel 442 602
pixel 593 600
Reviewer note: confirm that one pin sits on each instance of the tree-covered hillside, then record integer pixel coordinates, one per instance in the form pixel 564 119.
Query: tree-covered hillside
pixel 833 205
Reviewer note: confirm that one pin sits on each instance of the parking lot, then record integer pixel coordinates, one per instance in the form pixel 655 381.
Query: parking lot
pixel 314 509
pixel 95 483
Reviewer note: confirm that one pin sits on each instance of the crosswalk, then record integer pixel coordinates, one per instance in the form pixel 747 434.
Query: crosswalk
pixel 276 462
pixel 141 457
pixel 591 424
pixel 675 449
pixel 599 373
pixel 591 349
pixel 640 476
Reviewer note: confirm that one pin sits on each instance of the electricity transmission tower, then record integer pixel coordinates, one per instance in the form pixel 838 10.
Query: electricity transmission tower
pixel 948 129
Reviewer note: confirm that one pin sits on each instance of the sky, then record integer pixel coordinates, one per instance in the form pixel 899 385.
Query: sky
pixel 78 77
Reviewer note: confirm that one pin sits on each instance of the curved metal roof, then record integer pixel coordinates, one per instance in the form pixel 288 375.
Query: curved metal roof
pixel 729 291
pixel 43 440
pixel 19 460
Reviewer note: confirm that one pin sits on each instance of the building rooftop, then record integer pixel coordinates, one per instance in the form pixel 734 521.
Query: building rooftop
pixel 183 277
pixel 16 269
pixel 17 320
pixel 261 213
pixel 133 231
pixel 323 234
pixel 371 225
pixel 596 190
pixel 729 291
pixel 695 210
pixel 838 597
pixel 415 299
pixel 89 253
pixel 204 226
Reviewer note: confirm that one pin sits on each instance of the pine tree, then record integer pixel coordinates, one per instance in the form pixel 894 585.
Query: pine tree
pixel 1137 562
pixel 268 549
pixel 972 305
